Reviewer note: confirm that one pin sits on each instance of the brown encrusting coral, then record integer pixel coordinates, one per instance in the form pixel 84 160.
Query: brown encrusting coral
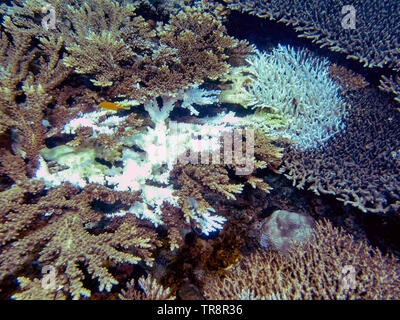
pixel 323 268
pixel 347 79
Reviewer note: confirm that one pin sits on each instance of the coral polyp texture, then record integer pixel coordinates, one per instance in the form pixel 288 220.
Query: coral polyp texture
pixel 144 146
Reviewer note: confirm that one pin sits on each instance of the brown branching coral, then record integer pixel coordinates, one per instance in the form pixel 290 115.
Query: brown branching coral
pixel 107 35
pixel 24 93
pixel 314 271
pixel 266 151
pixel 61 222
pixel 33 290
pixel 359 166
pixel 347 79
pixel 152 290
pixel 65 235
pixel 202 43
pixel 194 179
pixel 122 49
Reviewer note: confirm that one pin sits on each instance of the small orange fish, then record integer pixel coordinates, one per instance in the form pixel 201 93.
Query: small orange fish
pixel 110 105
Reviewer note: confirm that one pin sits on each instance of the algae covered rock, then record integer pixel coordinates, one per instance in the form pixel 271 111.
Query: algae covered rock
pixel 283 228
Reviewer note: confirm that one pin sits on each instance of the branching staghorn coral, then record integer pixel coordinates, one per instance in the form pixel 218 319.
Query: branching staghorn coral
pixel 193 180
pixel 359 167
pixel 374 45
pixel 296 87
pixel 320 21
pixel 391 85
pixel 313 271
pixel 61 229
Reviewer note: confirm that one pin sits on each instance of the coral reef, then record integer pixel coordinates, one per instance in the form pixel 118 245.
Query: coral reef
pixel 169 182
pixel 314 271
pixel 359 167
pixel 296 87
pixel 322 22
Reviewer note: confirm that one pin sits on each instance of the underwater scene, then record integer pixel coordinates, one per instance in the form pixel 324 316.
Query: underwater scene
pixel 199 150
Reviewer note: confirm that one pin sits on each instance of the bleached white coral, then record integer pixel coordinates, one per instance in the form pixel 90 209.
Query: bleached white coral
pixel 296 85
pixel 207 222
pixel 189 97
pixel 80 166
pixel 147 158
